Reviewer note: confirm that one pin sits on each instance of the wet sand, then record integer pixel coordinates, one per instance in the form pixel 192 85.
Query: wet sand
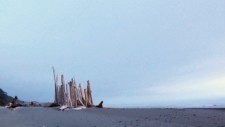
pixel 109 117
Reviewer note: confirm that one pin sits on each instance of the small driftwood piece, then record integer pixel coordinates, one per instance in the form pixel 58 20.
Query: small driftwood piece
pixel 100 105
pixel 63 107
pixel 53 105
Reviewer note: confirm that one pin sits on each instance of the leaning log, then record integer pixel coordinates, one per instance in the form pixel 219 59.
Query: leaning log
pixel 81 93
pixel 100 105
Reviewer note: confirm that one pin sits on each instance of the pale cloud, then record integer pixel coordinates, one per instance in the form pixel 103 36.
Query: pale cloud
pixel 200 89
pixel 187 92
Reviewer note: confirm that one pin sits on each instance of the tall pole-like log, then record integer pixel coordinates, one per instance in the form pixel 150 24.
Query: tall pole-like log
pixel 56 86
pixel 71 92
pixel 81 93
pixel 86 98
pixel 63 90
pixel 89 94
pixel 75 93
pixel 59 95
pixel 68 100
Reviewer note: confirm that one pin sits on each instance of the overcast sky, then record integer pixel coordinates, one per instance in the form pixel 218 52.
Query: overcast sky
pixel 136 53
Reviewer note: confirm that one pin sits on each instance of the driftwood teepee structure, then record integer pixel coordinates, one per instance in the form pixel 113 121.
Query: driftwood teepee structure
pixel 70 94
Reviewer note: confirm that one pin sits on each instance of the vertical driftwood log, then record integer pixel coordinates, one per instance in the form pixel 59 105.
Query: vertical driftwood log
pixel 59 95
pixel 86 99
pixel 66 101
pixel 63 90
pixel 75 94
pixel 89 94
pixel 79 98
pixel 68 96
pixel 56 86
pixel 81 93
pixel 72 93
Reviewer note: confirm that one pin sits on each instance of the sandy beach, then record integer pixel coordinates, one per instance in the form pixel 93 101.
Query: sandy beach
pixel 107 117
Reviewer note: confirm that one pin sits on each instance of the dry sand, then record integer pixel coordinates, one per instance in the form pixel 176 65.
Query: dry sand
pixel 51 117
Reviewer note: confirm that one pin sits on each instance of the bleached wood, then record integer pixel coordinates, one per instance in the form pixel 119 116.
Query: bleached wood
pixel 81 93
pixel 86 99
pixel 72 93
pixel 59 95
pixel 68 96
pixel 80 102
pixel 75 95
pixel 89 94
pixel 79 108
pixel 63 107
pixel 63 90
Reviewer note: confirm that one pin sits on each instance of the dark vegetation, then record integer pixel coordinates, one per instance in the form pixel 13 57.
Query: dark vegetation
pixel 4 98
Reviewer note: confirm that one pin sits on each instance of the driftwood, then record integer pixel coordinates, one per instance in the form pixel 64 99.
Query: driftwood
pixel 70 95
pixel 100 105
pixel 63 107
pixel 53 105
pixel 85 93
pixel 81 94
pixel 89 95
pixel 63 91
pixel 66 95
pixel 14 103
